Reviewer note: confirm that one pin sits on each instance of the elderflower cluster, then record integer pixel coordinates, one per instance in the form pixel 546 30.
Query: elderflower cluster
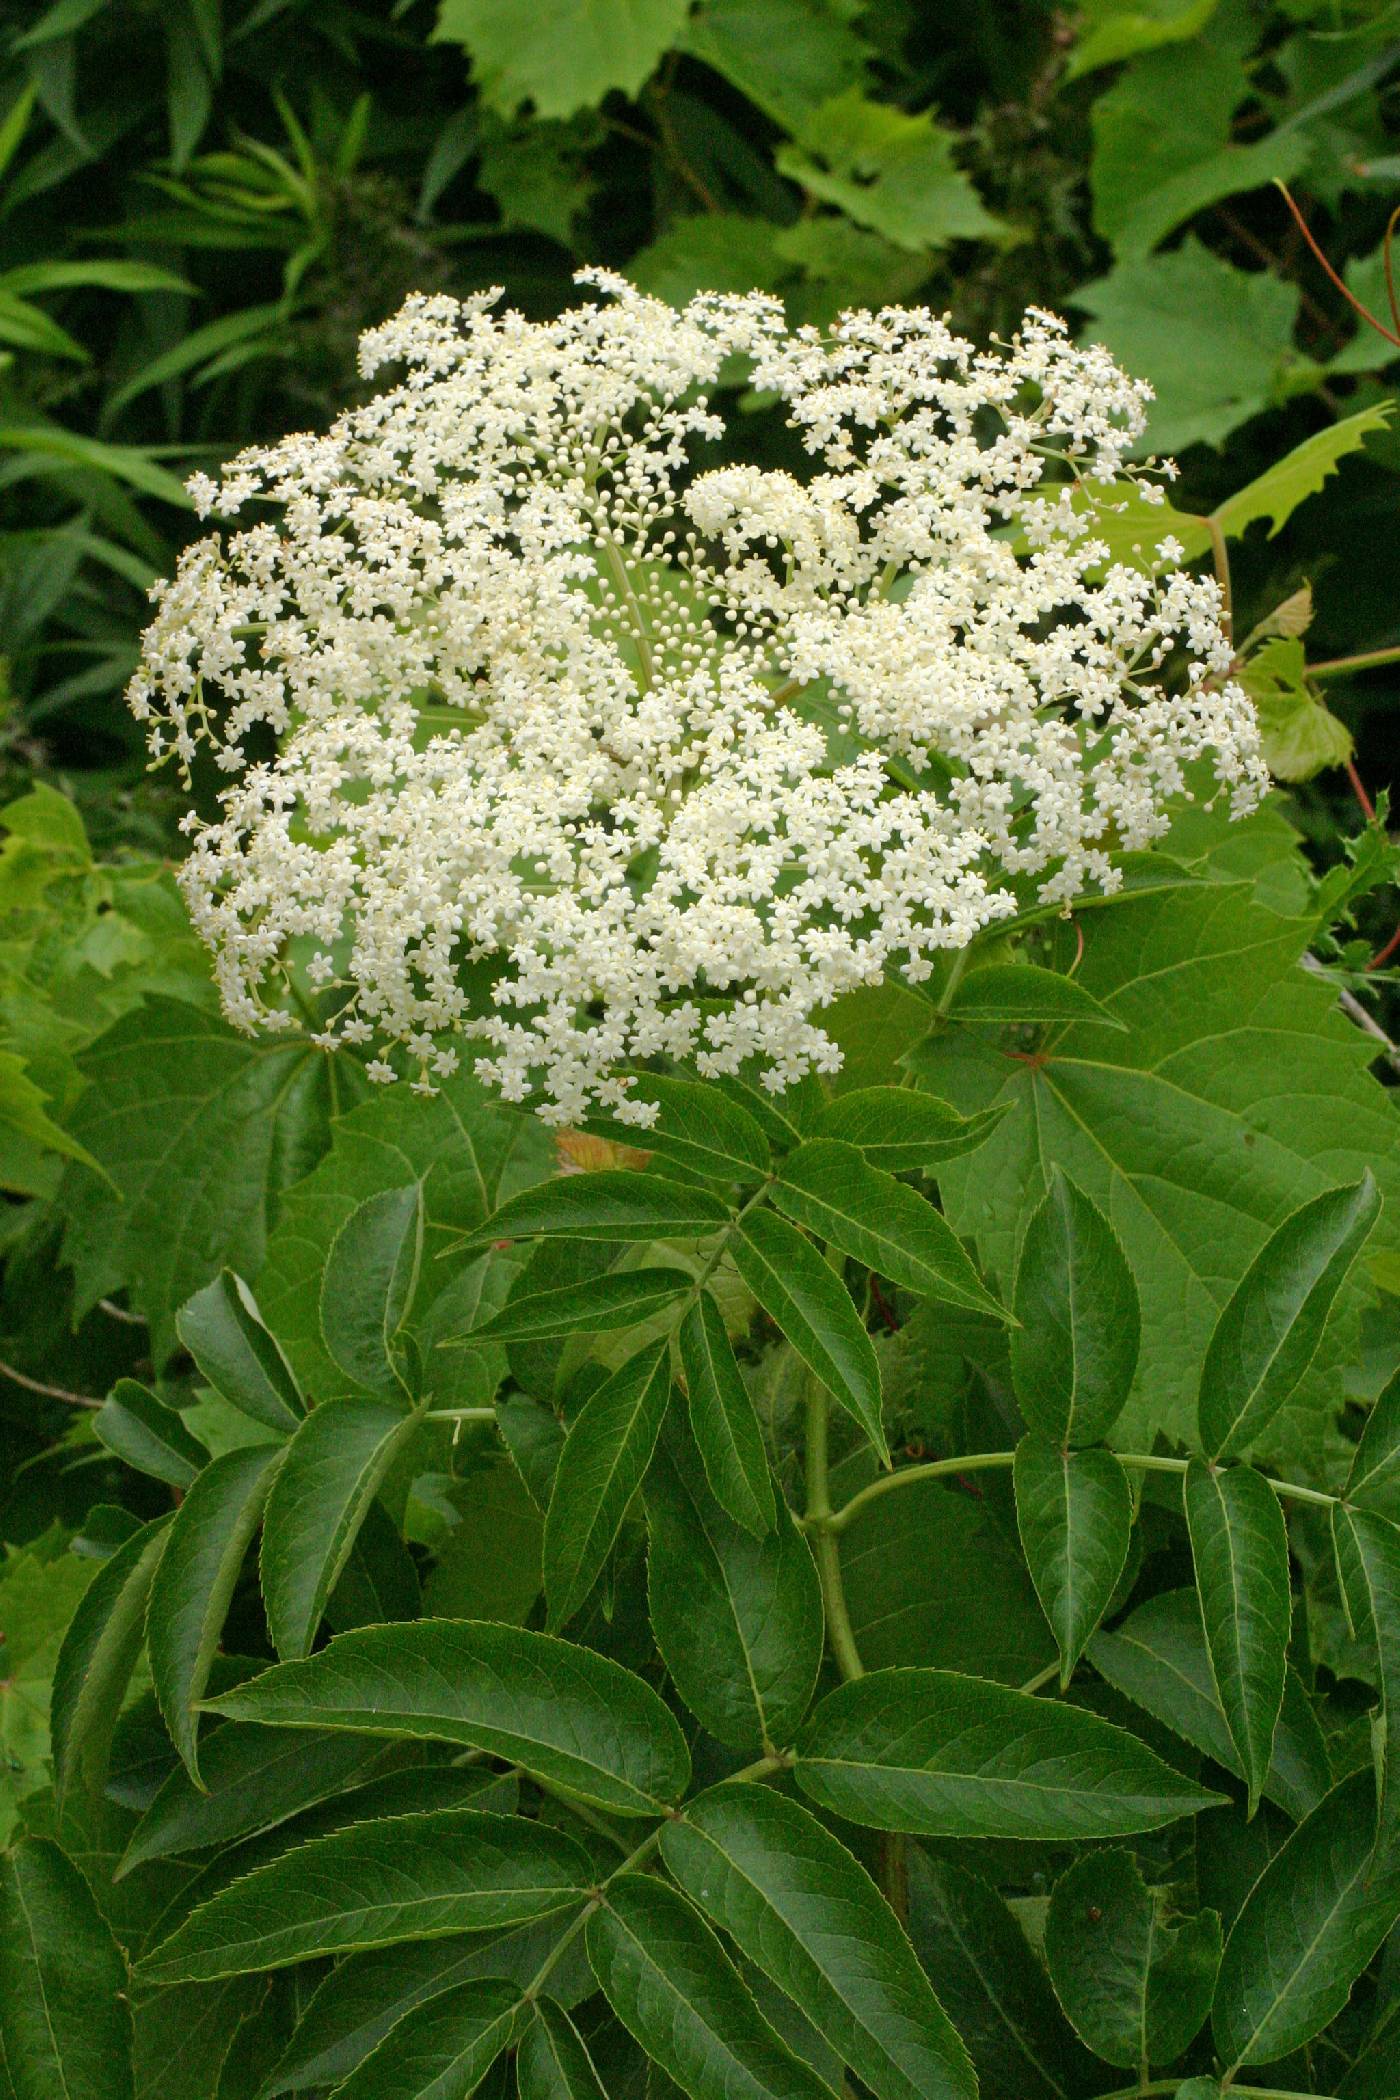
pixel 555 730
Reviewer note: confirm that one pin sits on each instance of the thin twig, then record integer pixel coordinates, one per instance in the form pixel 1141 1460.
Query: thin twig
pixel 49 1392
pixel 1353 1009
pixel 119 1312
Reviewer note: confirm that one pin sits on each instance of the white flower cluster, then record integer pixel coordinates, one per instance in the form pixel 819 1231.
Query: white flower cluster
pixel 548 733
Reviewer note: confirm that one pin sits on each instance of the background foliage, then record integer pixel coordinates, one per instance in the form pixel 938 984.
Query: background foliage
pixel 202 206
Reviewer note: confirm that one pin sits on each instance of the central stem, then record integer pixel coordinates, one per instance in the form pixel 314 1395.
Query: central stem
pixel 825 1546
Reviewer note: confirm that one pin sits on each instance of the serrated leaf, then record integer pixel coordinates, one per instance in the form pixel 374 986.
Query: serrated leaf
pixel 96 1660
pixel 738 1620
pixel 194 1582
pixel 552 2062
pixel 623 1299
pixel 1373 1481
pixel 804 1912
pixel 673 1987
pixel 605 1456
pixel 65 2024
pixel 1299 735
pixel 696 1127
pixel 1116 29
pixel 1074 1511
pixel 148 1435
pixel 40 1590
pixel 889 171
pixel 722 1419
pixel 1005 992
pixel 1269 1329
pixel 1309 1926
pixel 1277 492
pixel 224 1333
pixel 406 1877
pixel 370 1277
pixel 943 1755
pixel 903 1131
pixel 1368 1566
pixel 571 1716
pixel 443 2049
pixel 1158 1658
pixel 832 1189
pixel 1239 1546
pixel 1074 1354
pixel 577 52
pixel 812 1307
pixel 787 56
pixel 185 2037
pixel 1137 1989
pixel 330 1473
pixel 608 1205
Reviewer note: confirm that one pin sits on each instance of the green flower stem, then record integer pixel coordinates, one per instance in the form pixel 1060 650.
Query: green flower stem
pixel 1342 667
pixel 836 1521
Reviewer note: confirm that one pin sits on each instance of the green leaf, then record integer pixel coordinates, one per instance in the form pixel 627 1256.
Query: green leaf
pixel 252 1779
pixel 503 1583
pixel 1024 992
pixel 799 1907
pixel 944 1755
pixel 786 56
pixel 552 2062
pixel 569 1715
pixel 1277 492
pixel 992 1986
pixel 671 1984
pixel 1368 1565
pixel 1074 1511
pixel 1299 735
pixel 605 1455
pixel 902 1131
pixel 194 1582
pixel 65 2024
pixel 577 51
pixel 697 1127
pixel 23 1112
pixel 738 1620
pixel 443 2049
pixel 41 1586
pixel 403 1878
pixel 370 1277
pixel 148 1435
pixel 1074 1354
pixel 1308 1928
pixel 886 170
pixel 1268 1332
pixel 224 1333
pixel 832 1189
pixel 608 1205
pixel 812 1306
pixel 623 1299
pixel 97 1658
pixel 1114 29
pixel 1137 1989
pixel 330 1473
pixel 1158 1658
pixel 1240 1550
pixel 1374 1479
pixel 723 1421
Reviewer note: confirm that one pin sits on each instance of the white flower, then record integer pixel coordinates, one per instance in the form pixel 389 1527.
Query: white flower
pixel 585 749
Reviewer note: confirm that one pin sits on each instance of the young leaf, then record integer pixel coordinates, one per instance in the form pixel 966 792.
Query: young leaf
pixel 1269 1328
pixel 443 2048
pixel 903 1130
pixel 698 1128
pixel 1074 1354
pixel 552 2062
pixel 1368 1566
pixel 738 1620
pixel 1240 1549
pixel 812 1306
pixel 65 2024
pixel 560 1711
pixel 1374 1479
pixel 1024 992
pixel 950 1756
pixel 330 1473
pixel 1136 1989
pixel 96 1660
pixel 403 1878
pixel 722 1418
pixel 604 1302
pixel 992 1986
pixel 803 1911
pixel 1074 1511
pixel 223 1332
pixel 194 1582
pixel 607 1206
pixel 370 1277
pixel 883 1223
pixel 1308 1928
pixel 148 1435
pixel 674 1988
pixel 1158 1658
pixel 606 1453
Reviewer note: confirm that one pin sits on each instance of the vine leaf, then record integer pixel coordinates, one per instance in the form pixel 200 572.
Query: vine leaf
pixel 803 1911
pixel 1136 1989
pixel 812 1307
pixel 1074 1511
pixel 723 1421
pixel 1239 1546
pixel 605 1456
pixel 1076 1349
pixel 65 2024
pixel 1023 992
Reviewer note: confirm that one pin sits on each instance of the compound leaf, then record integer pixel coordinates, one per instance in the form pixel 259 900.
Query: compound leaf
pixel 1240 1549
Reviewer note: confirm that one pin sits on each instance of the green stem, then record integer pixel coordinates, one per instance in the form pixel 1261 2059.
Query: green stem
pixel 826 1551
pixel 1342 667
pixel 460 1414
